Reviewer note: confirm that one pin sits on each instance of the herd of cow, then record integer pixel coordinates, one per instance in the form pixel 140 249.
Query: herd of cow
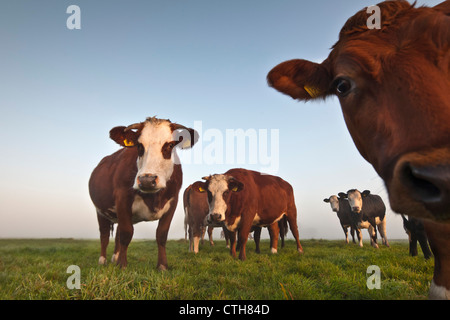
pixel 393 84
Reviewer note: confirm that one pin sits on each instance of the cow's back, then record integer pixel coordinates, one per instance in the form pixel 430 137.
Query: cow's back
pixel 373 206
pixel 267 194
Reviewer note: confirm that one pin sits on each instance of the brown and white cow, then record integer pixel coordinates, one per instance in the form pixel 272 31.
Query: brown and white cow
pixel 243 198
pixel 393 84
pixel 196 210
pixel 140 182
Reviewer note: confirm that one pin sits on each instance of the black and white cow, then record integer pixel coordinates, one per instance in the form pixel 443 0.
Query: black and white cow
pixel 343 210
pixel 368 208
pixel 341 206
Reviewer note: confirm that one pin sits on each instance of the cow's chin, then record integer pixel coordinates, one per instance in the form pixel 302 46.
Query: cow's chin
pixel 420 185
pixel 149 191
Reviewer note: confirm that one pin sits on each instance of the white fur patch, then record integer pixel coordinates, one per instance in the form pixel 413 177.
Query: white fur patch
pixel 233 226
pixel 154 135
pixel 355 200
pixel 102 260
pixel 141 211
pixel 218 184
pixel 438 292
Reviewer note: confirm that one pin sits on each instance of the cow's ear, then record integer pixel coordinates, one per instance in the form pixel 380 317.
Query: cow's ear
pixel 126 138
pixel 301 79
pixel 235 185
pixel 186 137
pixel 326 200
pixel 199 186
pixel 365 193
pixel 342 195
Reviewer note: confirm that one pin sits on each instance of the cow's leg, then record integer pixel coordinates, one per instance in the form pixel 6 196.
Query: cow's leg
pixel 423 241
pixel 161 236
pixel 232 236
pixel 126 231
pixel 274 232
pixel 202 236
pixel 345 229
pixel 227 237
pixel 352 233
pixel 210 235
pixel 105 227
pixel 382 229
pixel 373 235
pixel 243 237
pixel 359 234
pixel 257 238
pixel 292 220
pixel 198 230
pixel 115 256
pixel 413 245
pixel 191 239
pixel 439 238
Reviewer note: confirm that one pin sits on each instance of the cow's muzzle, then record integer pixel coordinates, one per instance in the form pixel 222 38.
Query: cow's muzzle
pixel 421 185
pixel 214 218
pixel 148 183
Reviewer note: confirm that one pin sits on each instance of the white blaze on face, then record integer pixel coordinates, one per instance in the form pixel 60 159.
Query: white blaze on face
pixel 218 184
pixel 154 136
pixel 355 200
pixel 334 203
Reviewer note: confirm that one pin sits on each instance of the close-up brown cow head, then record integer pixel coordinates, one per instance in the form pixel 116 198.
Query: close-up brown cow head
pixel 393 85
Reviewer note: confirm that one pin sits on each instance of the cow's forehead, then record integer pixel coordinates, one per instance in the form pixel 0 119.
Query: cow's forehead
pixel 218 183
pixel 333 198
pixel 156 132
pixel 353 193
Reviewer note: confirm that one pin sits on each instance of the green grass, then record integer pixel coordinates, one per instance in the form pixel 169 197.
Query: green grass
pixel 36 269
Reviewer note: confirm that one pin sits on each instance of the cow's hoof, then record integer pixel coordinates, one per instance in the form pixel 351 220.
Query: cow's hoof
pixel 102 261
pixel 162 267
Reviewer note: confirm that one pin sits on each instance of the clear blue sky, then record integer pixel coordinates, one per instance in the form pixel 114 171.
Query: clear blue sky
pixel 62 90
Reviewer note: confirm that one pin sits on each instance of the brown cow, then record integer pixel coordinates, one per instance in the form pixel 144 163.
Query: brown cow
pixel 393 84
pixel 196 210
pixel 243 198
pixel 138 183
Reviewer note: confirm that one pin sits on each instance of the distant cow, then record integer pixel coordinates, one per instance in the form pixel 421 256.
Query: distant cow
pixel 393 84
pixel 369 208
pixel 140 182
pixel 196 210
pixel 244 198
pixel 341 206
pixel 416 232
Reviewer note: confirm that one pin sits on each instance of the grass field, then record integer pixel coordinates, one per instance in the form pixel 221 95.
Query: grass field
pixel 36 269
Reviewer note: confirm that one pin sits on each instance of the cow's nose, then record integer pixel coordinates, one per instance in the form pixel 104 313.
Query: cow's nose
pixel 216 217
pixel 429 185
pixel 356 209
pixel 147 181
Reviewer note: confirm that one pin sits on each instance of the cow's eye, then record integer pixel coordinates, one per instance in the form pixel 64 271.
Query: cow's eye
pixel 140 149
pixel 343 86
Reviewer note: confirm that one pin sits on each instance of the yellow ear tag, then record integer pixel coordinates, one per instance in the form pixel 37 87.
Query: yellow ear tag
pixel 313 91
pixel 235 189
pixel 201 189
pixel 128 143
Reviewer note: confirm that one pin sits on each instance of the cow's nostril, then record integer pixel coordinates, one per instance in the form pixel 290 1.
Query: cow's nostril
pixel 423 184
